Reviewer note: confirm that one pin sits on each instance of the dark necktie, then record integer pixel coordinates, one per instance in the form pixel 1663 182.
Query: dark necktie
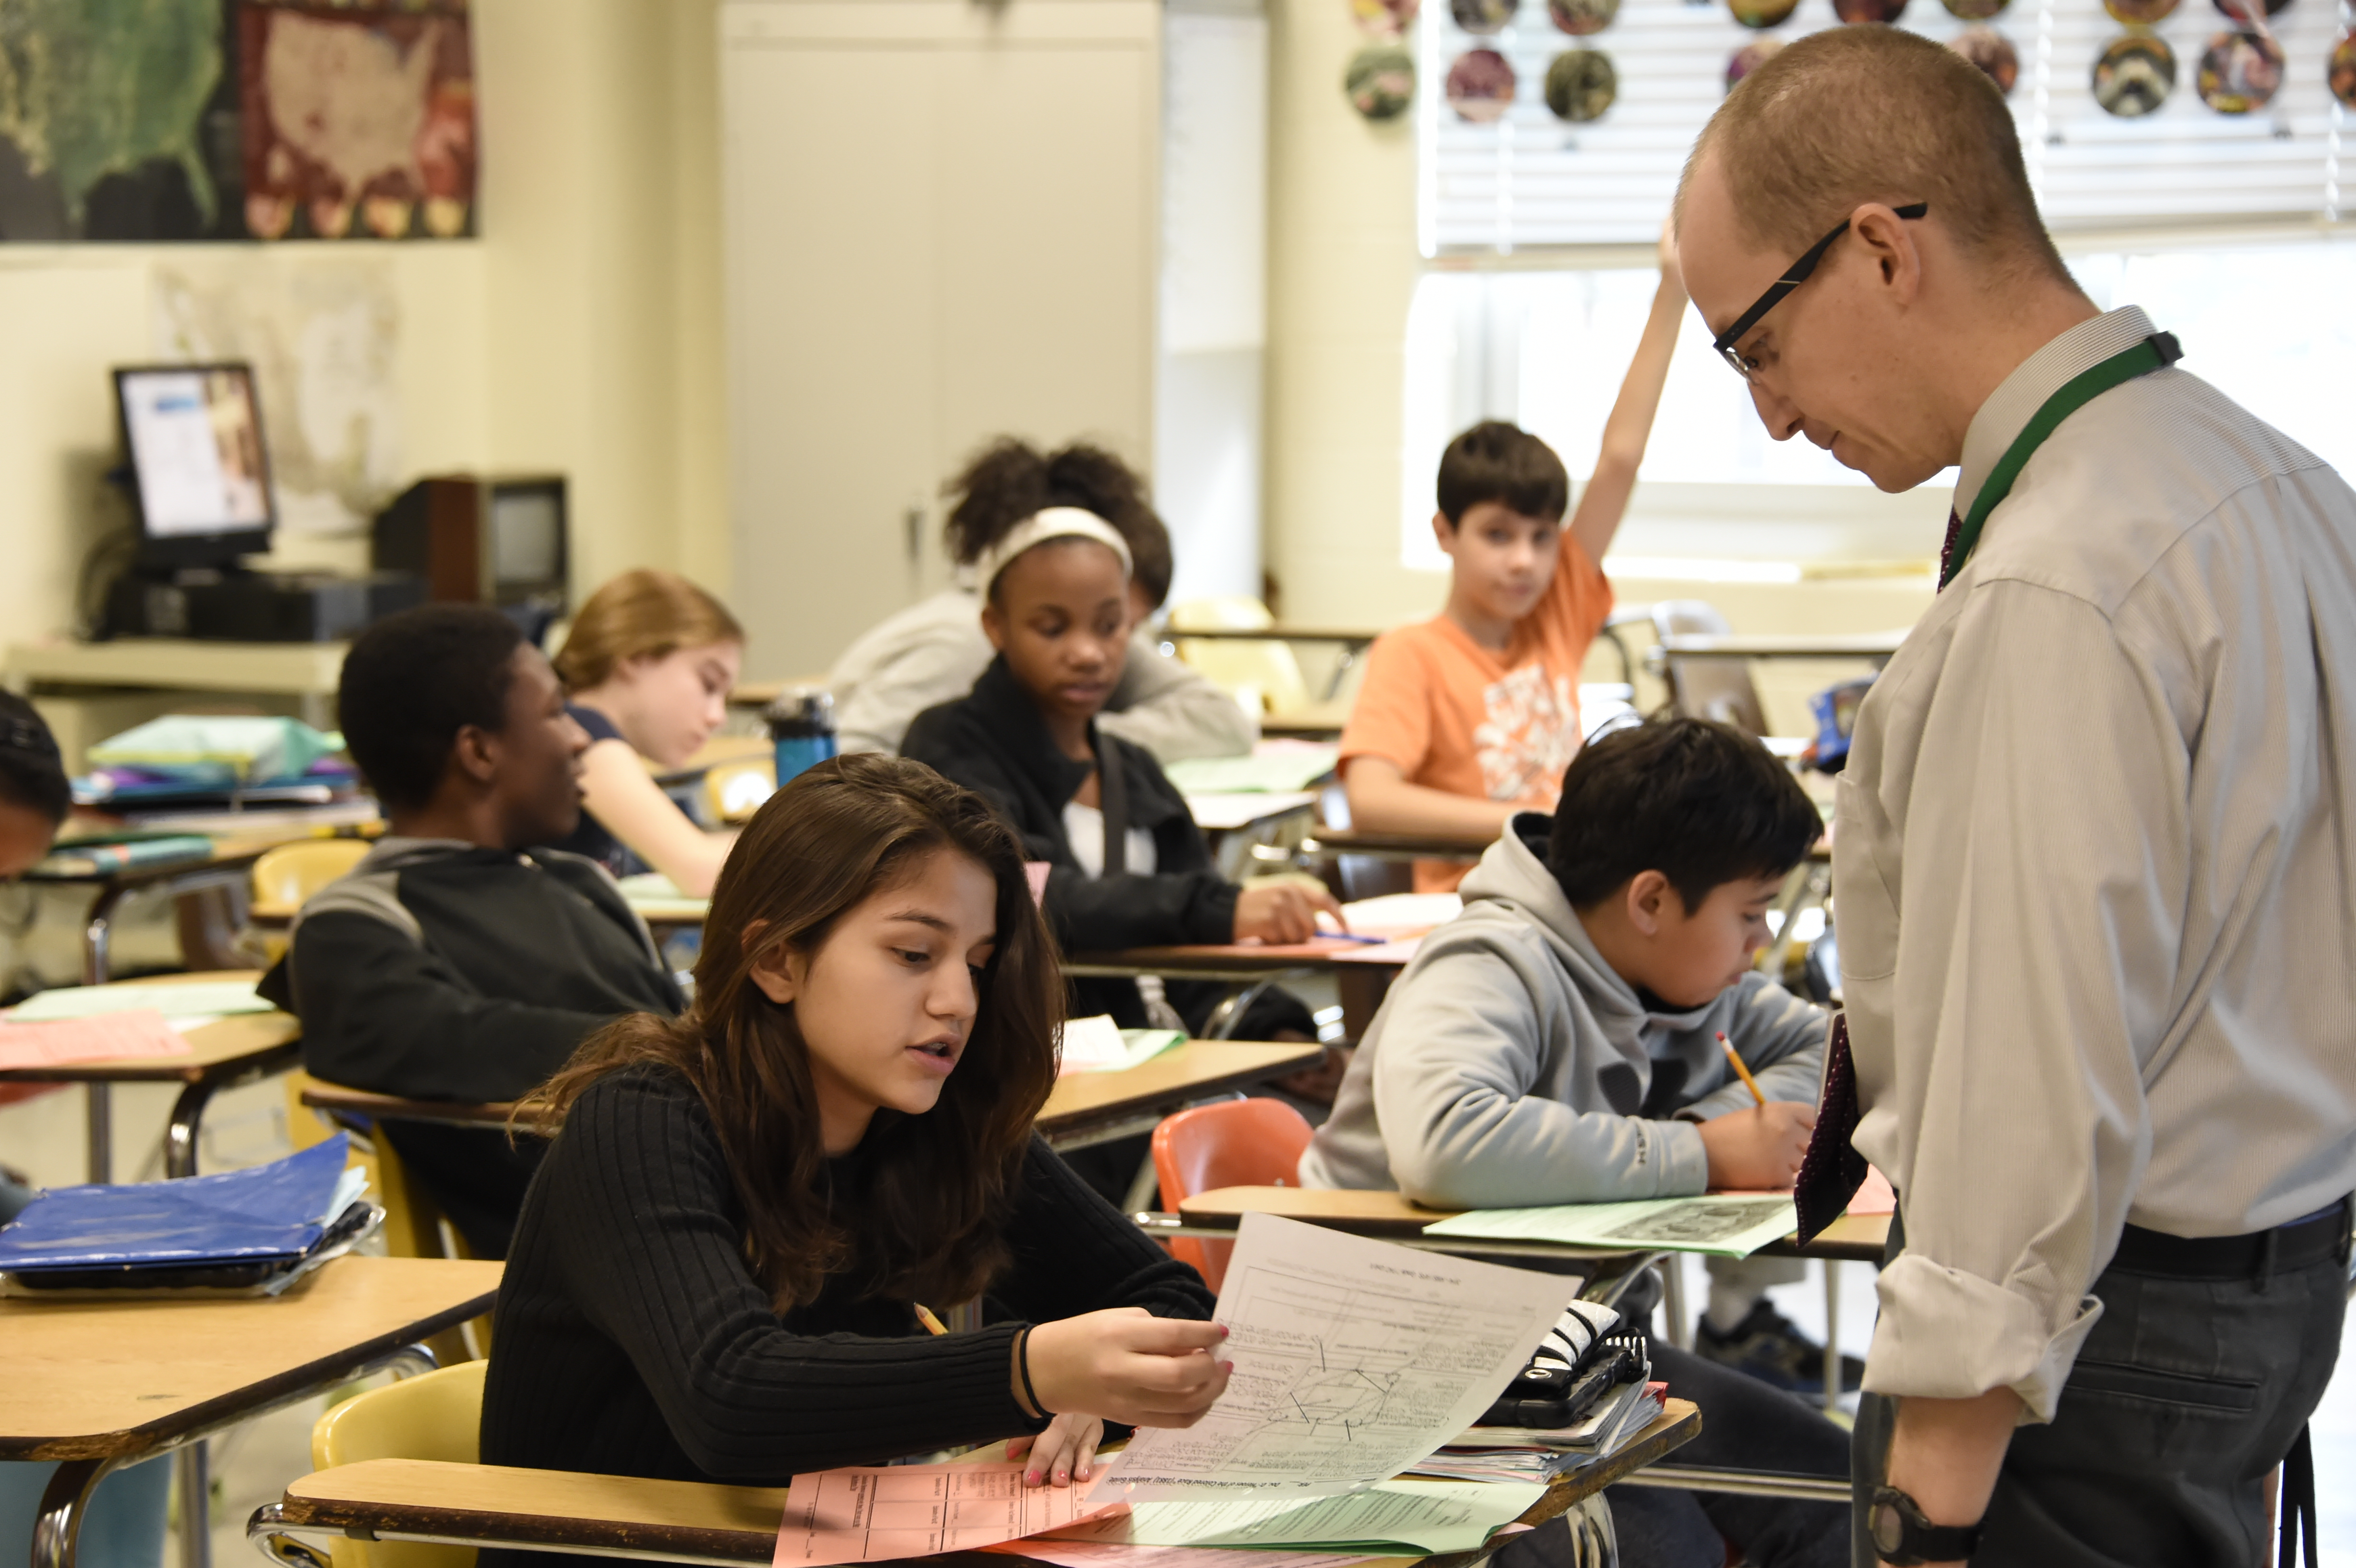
pixel 1831 1171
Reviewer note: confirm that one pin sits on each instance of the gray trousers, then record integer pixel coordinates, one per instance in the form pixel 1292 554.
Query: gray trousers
pixel 2185 1396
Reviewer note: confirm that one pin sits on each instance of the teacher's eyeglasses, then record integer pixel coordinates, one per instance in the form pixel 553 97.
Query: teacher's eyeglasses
pixel 1793 276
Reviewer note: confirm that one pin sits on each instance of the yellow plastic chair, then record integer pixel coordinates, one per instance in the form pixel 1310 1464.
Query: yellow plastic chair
pixel 283 880
pixel 414 1226
pixel 1265 676
pixel 732 792
pixel 436 1416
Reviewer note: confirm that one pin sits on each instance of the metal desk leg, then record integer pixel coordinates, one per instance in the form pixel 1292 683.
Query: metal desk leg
pixel 56 1528
pixel 193 1477
pixel 98 1108
pixel 180 1132
pixel 97 934
pixel 1221 1024
pixel 1832 1336
pixel 1673 1301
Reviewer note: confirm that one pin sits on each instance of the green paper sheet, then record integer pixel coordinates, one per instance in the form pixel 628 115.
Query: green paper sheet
pixel 1272 771
pixel 1726 1225
pixel 185 999
pixel 1421 1516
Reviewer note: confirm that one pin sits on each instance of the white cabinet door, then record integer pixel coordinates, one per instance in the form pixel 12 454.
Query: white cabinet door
pixel 940 225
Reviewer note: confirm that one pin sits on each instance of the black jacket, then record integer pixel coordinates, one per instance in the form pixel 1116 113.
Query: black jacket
pixel 441 970
pixel 993 742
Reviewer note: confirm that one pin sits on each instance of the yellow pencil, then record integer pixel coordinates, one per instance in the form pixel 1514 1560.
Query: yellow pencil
pixel 934 1325
pixel 1733 1061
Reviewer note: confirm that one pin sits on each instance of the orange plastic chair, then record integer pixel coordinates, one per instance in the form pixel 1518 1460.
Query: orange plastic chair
pixel 1236 1143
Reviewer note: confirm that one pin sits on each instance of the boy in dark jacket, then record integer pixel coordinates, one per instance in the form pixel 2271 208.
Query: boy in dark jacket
pixel 456 961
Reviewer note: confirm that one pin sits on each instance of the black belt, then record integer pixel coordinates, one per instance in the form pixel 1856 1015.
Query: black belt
pixel 2299 1244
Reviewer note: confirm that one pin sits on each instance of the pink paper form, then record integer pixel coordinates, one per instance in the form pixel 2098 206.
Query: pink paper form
pixel 106 1037
pixel 868 1514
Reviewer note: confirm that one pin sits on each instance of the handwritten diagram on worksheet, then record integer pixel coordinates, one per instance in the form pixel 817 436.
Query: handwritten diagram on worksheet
pixel 1353 1360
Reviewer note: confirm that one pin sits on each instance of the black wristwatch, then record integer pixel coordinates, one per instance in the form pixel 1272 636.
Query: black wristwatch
pixel 1901 1535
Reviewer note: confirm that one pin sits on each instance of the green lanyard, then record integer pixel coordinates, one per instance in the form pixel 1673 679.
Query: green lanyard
pixel 2154 353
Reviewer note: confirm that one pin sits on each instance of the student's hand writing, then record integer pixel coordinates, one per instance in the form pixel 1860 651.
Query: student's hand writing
pixel 1759 1147
pixel 1283 912
pixel 1128 1365
pixel 1061 1454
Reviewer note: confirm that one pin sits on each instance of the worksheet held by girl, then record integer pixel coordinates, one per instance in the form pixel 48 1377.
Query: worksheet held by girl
pixel 1355 1359
pixel 871 1514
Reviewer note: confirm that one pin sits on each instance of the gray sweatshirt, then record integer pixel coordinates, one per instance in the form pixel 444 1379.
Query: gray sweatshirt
pixel 1511 1067
pixel 933 651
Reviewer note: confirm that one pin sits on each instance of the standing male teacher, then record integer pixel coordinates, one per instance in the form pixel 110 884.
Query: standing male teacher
pixel 2094 860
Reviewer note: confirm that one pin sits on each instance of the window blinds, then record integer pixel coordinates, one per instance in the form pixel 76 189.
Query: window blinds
pixel 1528 180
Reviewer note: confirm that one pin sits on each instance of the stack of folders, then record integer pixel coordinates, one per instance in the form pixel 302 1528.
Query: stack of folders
pixel 1585 1392
pixel 244 1233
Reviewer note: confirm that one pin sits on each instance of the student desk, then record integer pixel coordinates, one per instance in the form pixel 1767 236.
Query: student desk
pixel 1083 1108
pixel 1328 841
pixel 98 1385
pixel 1852 1238
pixel 683 1521
pixel 1087 1108
pixel 229 865
pixel 1878 646
pixel 222 1054
pixel 1252 967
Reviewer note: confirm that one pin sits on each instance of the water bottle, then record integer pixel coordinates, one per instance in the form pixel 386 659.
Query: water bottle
pixel 801 726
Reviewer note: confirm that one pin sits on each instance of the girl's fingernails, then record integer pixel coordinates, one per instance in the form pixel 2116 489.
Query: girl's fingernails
pixel 1226 1366
pixel 1224 1331
pixel 1062 1477
pixel 1030 1478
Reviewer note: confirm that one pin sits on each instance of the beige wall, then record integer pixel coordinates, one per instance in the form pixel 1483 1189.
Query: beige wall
pixel 580 333
pixel 1342 266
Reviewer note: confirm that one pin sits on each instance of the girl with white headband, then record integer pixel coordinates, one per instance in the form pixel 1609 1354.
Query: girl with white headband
pixel 1127 866
pixel 933 651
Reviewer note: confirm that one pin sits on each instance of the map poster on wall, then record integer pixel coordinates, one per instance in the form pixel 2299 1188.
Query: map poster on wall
pixel 358 120
pixel 118 121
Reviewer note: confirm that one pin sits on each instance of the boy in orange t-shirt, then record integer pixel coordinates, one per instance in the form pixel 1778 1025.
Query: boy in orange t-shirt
pixel 1469 717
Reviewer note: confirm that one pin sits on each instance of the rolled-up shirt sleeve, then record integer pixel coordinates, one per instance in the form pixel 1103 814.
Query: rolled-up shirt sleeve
pixel 2045 852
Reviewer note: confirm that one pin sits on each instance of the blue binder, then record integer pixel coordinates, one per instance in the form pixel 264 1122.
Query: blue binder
pixel 272 1212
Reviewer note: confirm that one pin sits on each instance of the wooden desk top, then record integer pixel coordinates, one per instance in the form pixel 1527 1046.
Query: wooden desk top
pixel 1851 1238
pixel 484 1505
pixel 1249 961
pixel 1183 1072
pixel 87 1380
pixel 1395 846
pixel 1188 1072
pixel 224 1049
pixel 1316 720
pixel 320 1095
pixel 1858 645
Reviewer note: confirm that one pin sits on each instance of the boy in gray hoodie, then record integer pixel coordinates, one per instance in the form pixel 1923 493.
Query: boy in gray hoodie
pixel 1557 1042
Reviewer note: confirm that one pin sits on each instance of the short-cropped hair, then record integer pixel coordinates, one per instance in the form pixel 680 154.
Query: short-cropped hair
pixel 1869 113
pixel 412 682
pixel 1498 462
pixel 1700 802
pixel 32 770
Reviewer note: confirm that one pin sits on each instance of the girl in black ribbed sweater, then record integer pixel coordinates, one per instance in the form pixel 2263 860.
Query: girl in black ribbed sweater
pixel 716 1270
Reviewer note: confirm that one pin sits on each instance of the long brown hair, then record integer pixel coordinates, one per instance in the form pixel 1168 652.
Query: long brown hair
pixel 641 613
pixel 938 1185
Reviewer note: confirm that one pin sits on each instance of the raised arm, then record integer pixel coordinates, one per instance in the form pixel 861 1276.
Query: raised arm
pixel 1604 501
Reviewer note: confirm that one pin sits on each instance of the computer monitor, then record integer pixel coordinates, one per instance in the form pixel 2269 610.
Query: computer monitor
pixel 200 471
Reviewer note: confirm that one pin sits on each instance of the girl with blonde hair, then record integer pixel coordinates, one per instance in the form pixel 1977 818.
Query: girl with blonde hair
pixel 647 667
